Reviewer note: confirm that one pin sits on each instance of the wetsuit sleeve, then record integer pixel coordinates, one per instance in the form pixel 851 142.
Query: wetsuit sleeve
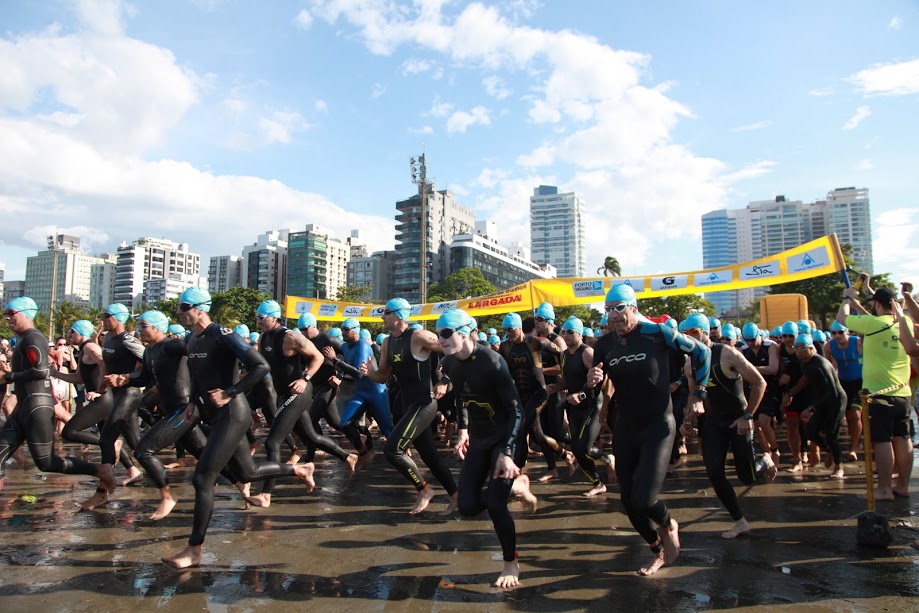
pixel 819 377
pixel 507 392
pixel 343 365
pixel 35 362
pixel 134 345
pixel 700 356
pixel 547 346
pixel 252 361
pixel 142 377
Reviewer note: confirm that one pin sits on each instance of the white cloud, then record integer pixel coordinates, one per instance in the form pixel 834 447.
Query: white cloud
pixel 440 109
pixel 413 67
pixel 896 79
pixel 377 90
pixel 101 16
pixel 750 127
pixel 280 126
pixel 865 164
pixel 320 106
pixel 821 92
pixel 303 20
pixel 460 121
pixel 895 24
pixel 898 232
pixel 861 113
pixel 421 130
pixel 495 87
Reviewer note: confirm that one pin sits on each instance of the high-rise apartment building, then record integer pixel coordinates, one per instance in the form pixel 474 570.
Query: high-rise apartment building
pixel 501 267
pixel 102 281
pixel 264 264
pixel 317 263
pixel 13 289
pixel 767 227
pixel 557 234
pixel 223 273
pixel 152 258
pixel 375 271
pixel 444 219
pixel 60 274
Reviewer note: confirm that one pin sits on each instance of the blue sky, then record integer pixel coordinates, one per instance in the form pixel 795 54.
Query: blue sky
pixel 212 121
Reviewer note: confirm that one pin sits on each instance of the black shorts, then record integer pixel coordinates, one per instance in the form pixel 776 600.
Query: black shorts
pixel 852 388
pixel 889 417
pixel 771 404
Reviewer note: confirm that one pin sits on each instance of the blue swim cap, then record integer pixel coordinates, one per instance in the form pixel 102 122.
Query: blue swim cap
pixel 84 328
pixel 804 339
pixel 306 320
pixel 573 323
pixel 546 311
pixel 380 338
pixel 622 292
pixel 335 333
pixel 491 331
pixel 604 320
pixel 416 326
pixel 696 320
pixel 455 319
pixel 714 322
pixel 481 336
pixel 836 327
pixel 819 336
pixel 118 311
pixel 177 329
pixel 512 320
pixel 24 305
pixel 588 332
pixel 242 330
pixel 350 323
pixel 776 331
pixel 804 326
pixel 494 340
pixel 155 319
pixel 473 324
pixel 269 308
pixel 197 297
pixel 365 334
pixel 400 307
pixel 789 327
pixel 253 337
pixel 749 331
pixel 729 331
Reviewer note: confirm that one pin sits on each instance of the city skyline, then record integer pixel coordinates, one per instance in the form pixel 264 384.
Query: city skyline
pixel 208 121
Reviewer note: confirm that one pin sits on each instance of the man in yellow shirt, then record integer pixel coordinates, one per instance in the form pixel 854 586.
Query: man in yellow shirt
pixel 886 368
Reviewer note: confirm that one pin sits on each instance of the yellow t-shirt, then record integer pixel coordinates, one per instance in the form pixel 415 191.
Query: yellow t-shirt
pixel 885 361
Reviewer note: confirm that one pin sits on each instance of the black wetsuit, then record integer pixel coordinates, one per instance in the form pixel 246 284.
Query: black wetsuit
pixel 324 393
pixel 33 418
pixel 772 398
pixel 95 412
pixel 551 419
pixel 121 353
pixel 293 409
pixel 584 417
pixel 212 364
pixel 829 401
pixel 491 411
pixel 419 408
pixel 639 366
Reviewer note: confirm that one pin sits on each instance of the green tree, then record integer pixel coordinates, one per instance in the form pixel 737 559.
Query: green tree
pixel 464 283
pixel 237 306
pixel 169 308
pixel 64 315
pixel 676 306
pixel 590 317
pixel 610 267
pixel 355 293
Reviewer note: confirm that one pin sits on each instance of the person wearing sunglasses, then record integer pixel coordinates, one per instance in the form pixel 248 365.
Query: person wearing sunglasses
pixel 714 329
pixel 32 420
pixel 795 396
pixel 408 354
pixel 490 432
pixel 845 354
pixel 218 394
pixel 635 357
pixel 764 355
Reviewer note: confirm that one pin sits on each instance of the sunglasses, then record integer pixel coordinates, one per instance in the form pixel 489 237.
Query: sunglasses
pixel 839 332
pixel 144 326
pixel 619 308
pixel 788 336
pixel 796 347
pixel 388 312
pixel 692 331
pixel 9 313
pixel 264 317
pixel 185 307
pixel 568 332
pixel 344 329
pixel 509 330
pixel 62 344
pixel 541 319
pixel 445 332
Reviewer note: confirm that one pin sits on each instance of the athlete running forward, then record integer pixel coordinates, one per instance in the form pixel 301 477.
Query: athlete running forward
pixel 406 353
pixel 294 361
pixel 213 352
pixel 634 355
pixel 489 432
pixel 33 418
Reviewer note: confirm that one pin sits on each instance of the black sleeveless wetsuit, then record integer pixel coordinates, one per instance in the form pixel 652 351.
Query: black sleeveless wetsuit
pixel 121 353
pixel 583 418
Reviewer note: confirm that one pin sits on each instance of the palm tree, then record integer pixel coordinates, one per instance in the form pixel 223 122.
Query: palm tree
pixel 64 315
pixel 610 268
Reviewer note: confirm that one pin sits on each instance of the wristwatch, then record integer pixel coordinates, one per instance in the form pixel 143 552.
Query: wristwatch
pixel 748 415
pixel 230 391
pixel 701 393
pixel 307 377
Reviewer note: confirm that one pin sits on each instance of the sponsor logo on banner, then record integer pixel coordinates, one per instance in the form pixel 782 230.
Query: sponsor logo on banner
pixel 377 311
pixel 301 307
pixel 416 309
pixel 440 307
pixel 713 278
pixel 353 311
pixel 327 310
pixel 760 271
pixel 636 283
pixel 492 302
pixel 583 289
pixel 669 282
pixel 809 260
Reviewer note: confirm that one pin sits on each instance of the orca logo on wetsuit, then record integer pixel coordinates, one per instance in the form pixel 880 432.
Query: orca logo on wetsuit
pixel 197 355
pixel 635 357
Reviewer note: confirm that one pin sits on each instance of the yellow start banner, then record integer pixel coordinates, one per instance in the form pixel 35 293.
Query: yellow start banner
pixel 816 258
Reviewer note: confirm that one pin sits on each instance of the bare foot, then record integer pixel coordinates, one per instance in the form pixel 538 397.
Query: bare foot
pixel 837 472
pixel 656 564
pixel 879 495
pixel 106 475
pixel 521 489
pixel 167 503
pixel 572 463
pixel 852 456
pixel 596 490
pixel 670 539
pixel 262 500
pixel 134 476
pixel 771 469
pixel 551 475
pixel 814 459
pixel 796 467
pixel 422 500
pixel 96 500
pixel 902 492
pixel 187 558
pixel 364 460
pixel 294 457
pixel 351 463
pixel 510 575
pixel 741 526
pixel 304 472
pixel 453 505
pixel 181 462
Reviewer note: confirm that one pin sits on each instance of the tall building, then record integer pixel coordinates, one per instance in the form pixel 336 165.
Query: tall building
pixel 501 267
pixel 264 264
pixel 444 219
pixel 376 271
pixel 557 233
pixel 13 289
pixel 60 274
pixel 767 227
pixel 152 258
pixel 223 273
pixel 2 267
pixel 102 281
pixel 317 263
